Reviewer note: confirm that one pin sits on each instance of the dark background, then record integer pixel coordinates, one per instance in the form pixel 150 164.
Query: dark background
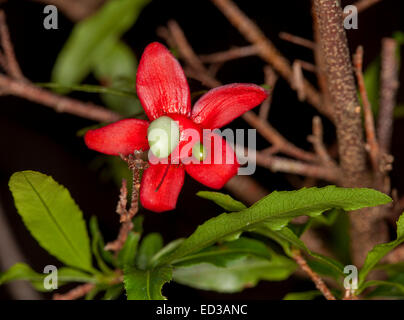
pixel 37 138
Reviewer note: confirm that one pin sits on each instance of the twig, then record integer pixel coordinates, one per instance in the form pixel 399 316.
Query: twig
pixel 297 40
pixel 267 50
pixel 76 293
pixel 362 5
pixel 13 69
pixel 373 146
pixel 276 164
pixel 297 82
pixel 320 285
pixel 135 164
pixel 231 54
pixel 317 140
pixel 388 91
pixel 273 136
pixel 270 80
pixel 57 102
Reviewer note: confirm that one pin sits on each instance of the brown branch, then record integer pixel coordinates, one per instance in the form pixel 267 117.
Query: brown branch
pixel 11 64
pixel 298 79
pixel 57 102
pixel 373 146
pixel 136 164
pixel 362 5
pixel 267 50
pixel 320 285
pixel 317 140
pixel 297 40
pixel 388 91
pixel 276 164
pixel 231 54
pixel 76 293
pixel 270 80
pixel 273 136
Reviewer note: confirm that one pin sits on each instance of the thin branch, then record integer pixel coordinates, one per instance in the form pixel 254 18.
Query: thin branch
pixel 267 50
pixel 388 91
pixel 373 146
pixel 136 164
pixel 76 293
pixel 13 68
pixel 298 79
pixel 231 54
pixel 362 5
pixel 57 102
pixel 270 80
pixel 320 285
pixel 317 140
pixel 297 40
pixel 274 137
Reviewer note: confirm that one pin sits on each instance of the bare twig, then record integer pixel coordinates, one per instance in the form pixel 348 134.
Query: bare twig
pixel 76 293
pixel 136 163
pixel 297 82
pixel 388 91
pixel 320 285
pixel 12 66
pixel 267 50
pixel 373 146
pixel 57 102
pixel 297 40
pixel 362 5
pixel 231 54
pixel 270 80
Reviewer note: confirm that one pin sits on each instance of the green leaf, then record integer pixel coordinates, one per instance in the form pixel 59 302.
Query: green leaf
pixel 113 292
pixel 277 209
pixel 97 246
pixel 146 284
pixel 380 250
pixel 286 238
pixel 392 287
pixel 163 252
pixel 21 271
pixel 126 257
pixel 306 295
pixel 92 36
pixel 372 283
pixel 222 255
pixel 52 217
pixel 149 246
pixel 236 276
pixel 223 200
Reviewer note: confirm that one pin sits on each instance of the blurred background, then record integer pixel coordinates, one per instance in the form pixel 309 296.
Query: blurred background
pixel 33 137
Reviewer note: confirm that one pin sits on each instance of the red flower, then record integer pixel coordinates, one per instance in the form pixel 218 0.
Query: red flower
pixel 164 94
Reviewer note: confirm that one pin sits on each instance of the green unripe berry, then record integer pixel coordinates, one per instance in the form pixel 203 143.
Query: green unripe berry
pixel 163 135
pixel 199 151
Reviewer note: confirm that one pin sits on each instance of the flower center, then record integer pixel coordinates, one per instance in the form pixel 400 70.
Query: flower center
pixel 163 135
pixel 198 151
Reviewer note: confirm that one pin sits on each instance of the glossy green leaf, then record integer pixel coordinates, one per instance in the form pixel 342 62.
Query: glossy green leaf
pixel 52 217
pixel 222 255
pixel 93 35
pixel 149 246
pixel 306 295
pixel 236 276
pixel 223 200
pixel 380 250
pixel 276 210
pixel 146 284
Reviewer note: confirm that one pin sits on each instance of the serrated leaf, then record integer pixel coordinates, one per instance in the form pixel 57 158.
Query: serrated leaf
pixel 91 36
pixel 149 246
pixel 276 210
pixel 306 295
pixel 380 250
pixel 52 217
pixel 22 271
pixel 126 257
pixel 146 284
pixel 223 200
pixel 236 276
pixel 222 255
